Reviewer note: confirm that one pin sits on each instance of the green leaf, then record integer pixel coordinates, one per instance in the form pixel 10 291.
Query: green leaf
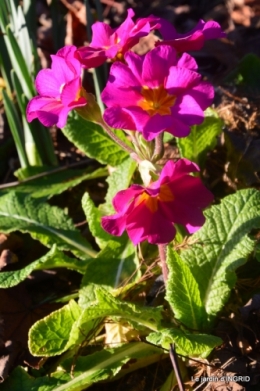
pixel 90 369
pixel 118 180
pixel 170 382
pixel 16 128
pixel 201 139
pixel 108 363
pixel 93 216
pixel 167 137
pixel 48 224
pixel 53 259
pixel 21 33
pixel 19 380
pixel 18 61
pixel 199 345
pixel 222 246
pixel 50 335
pixel 183 292
pixel 53 183
pixel 93 141
pixel 116 264
pixel 107 305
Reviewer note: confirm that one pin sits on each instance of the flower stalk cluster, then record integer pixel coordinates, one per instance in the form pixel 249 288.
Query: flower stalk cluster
pixel 145 95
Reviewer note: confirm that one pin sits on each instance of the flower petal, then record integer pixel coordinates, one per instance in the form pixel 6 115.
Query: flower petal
pixel 123 198
pixel 180 79
pixel 69 92
pixel 101 33
pixel 152 226
pixel 187 61
pixel 91 57
pixel 212 30
pixel 119 118
pixel 203 93
pixel 46 83
pixel 62 71
pixel 178 128
pixel 172 171
pixel 124 30
pixel 190 111
pixel 191 218
pixel 122 75
pixel 155 125
pixel 135 64
pixel 156 65
pixel 63 116
pixel 167 30
pixel 115 225
pixel 186 186
pixel 46 109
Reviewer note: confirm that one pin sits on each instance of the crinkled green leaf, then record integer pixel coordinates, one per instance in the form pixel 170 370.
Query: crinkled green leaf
pixel 183 292
pixel 48 224
pixel 201 139
pixel 93 215
pixel 50 335
pixel 222 246
pixel 107 305
pixel 53 259
pixel 56 183
pixel 93 141
pixel 118 180
pixel 186 343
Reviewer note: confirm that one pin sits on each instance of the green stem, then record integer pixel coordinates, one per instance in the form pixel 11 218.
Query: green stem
pixel 115 138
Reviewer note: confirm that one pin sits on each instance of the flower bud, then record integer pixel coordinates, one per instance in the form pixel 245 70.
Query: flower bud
pixel 91 111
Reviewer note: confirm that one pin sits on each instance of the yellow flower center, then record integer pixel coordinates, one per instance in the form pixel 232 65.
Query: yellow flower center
pixel 156 100
pixel 119 57
pixel 165 195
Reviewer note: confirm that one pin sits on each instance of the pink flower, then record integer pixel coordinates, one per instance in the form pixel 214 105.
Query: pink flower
pixel 108 43
pixel 193 40
pixel 156 92
pixel 150 213
pixel 59 90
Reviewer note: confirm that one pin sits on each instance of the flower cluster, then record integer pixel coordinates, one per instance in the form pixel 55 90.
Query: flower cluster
pixel 145 95
pixel 148 213
pixel 155 93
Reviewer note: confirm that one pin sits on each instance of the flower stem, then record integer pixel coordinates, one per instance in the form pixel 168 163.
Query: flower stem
pixel 162 254
pixel 110 132
pixel 159 148
pixel 176 368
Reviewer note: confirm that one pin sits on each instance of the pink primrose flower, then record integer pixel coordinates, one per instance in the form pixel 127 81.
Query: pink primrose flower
pixel 58 88
pixel 150 213
pixel 156 92
pixel 109 43
pixel 193 40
